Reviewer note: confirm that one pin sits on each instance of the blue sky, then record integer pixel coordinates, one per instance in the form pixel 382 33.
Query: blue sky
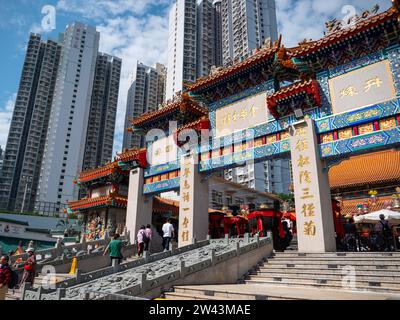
pixel 133 30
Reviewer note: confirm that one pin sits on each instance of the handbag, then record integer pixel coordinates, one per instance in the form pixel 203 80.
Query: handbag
pixel 28 267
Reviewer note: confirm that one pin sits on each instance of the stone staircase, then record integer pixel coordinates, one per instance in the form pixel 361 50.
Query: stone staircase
pixel 379 272
pixel 293 275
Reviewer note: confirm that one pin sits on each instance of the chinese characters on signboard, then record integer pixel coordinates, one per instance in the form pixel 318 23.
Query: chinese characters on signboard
pixel 241 115
pixel 163 151
pixel 305 181
pixel 362 87
pixel 186 201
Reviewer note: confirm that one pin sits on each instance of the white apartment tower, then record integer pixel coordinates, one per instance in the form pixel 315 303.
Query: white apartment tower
pixel 245 26
pixel 66 137
pixel 145 94
pixel 182 39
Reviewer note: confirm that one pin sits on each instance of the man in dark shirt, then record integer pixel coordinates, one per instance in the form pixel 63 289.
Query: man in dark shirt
pixel 384 230
pixel 5 276
pixel 350 232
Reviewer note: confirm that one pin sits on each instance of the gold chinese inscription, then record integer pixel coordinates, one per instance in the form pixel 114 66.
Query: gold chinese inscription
pixel 310 228
pixel 374 82
pixel 306 194
pixel 302 145
pixel 242 114
pixel 185 222
pixel 186 185
pixel 350 91
pixel 308 210
pixel 185 235
pixel 186 197
pixel 305 176
pixel 303 161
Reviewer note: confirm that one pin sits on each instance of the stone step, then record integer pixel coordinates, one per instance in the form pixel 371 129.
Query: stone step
pixel 338 254
pixel 13 295
pixel 366 273
pixel 217 292
pixel 333 266
pixel 361 257
pixel 184 296
pixel 388 282
pixel 275 292
pixel 366 259
pixel 328 285
pixel 333 262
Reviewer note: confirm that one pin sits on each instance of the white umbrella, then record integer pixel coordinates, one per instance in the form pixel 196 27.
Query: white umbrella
pixel 373 217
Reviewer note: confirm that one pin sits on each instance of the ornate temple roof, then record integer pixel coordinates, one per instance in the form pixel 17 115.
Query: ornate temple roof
pixel 114 167
pixel 369 20
pixel 349 206
pixel 139 155
pixel 236 68
pixel 336 36
pixel 306 88
pixel 182 105
pixel 106 170
pixel 382 167
pixel 112 200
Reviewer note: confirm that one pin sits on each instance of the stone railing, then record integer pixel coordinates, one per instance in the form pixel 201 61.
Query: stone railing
pixel 59 253
pixel 135 278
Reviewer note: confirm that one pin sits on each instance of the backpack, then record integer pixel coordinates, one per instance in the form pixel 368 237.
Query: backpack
pixel 14 279
pixel 145 237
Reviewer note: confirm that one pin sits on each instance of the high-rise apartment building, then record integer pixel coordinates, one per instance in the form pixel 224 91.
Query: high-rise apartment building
pixel 26 139
pixel 205 49
pixel 217 32
pixel 182 42
pixel 245 26
pixel 103 110
pixel 145 94
pixel 273 176
pixel 162 82
pixel 1 158
pixel 81 87
pixel 204 33
pixel 277 176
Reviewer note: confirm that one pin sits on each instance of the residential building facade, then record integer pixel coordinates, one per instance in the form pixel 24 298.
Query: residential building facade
pixel 26 139
pixel 246 25
pixel 103 110
pixel 86 91
pixel 146 93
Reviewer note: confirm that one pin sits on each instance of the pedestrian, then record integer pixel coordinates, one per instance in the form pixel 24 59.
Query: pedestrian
pixel 141 240
pixel 168 234
pixel 114 248
pixel 29 268
pixel 5 276
pixel 384 230
pixel 149 237
pixel 350 232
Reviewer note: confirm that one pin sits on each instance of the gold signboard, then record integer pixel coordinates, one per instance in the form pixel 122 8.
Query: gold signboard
pixel 362 87
pixel 163 151
pixel 241 115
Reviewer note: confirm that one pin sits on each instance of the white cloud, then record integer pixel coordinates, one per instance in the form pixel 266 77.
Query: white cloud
pixel 5 119
pixel 306 18
pixel 104 9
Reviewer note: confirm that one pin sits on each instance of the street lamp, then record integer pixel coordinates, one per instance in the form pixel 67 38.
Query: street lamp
pixel 26 179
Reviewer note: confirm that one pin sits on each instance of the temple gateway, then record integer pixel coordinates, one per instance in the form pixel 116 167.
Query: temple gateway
pixel 326 104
